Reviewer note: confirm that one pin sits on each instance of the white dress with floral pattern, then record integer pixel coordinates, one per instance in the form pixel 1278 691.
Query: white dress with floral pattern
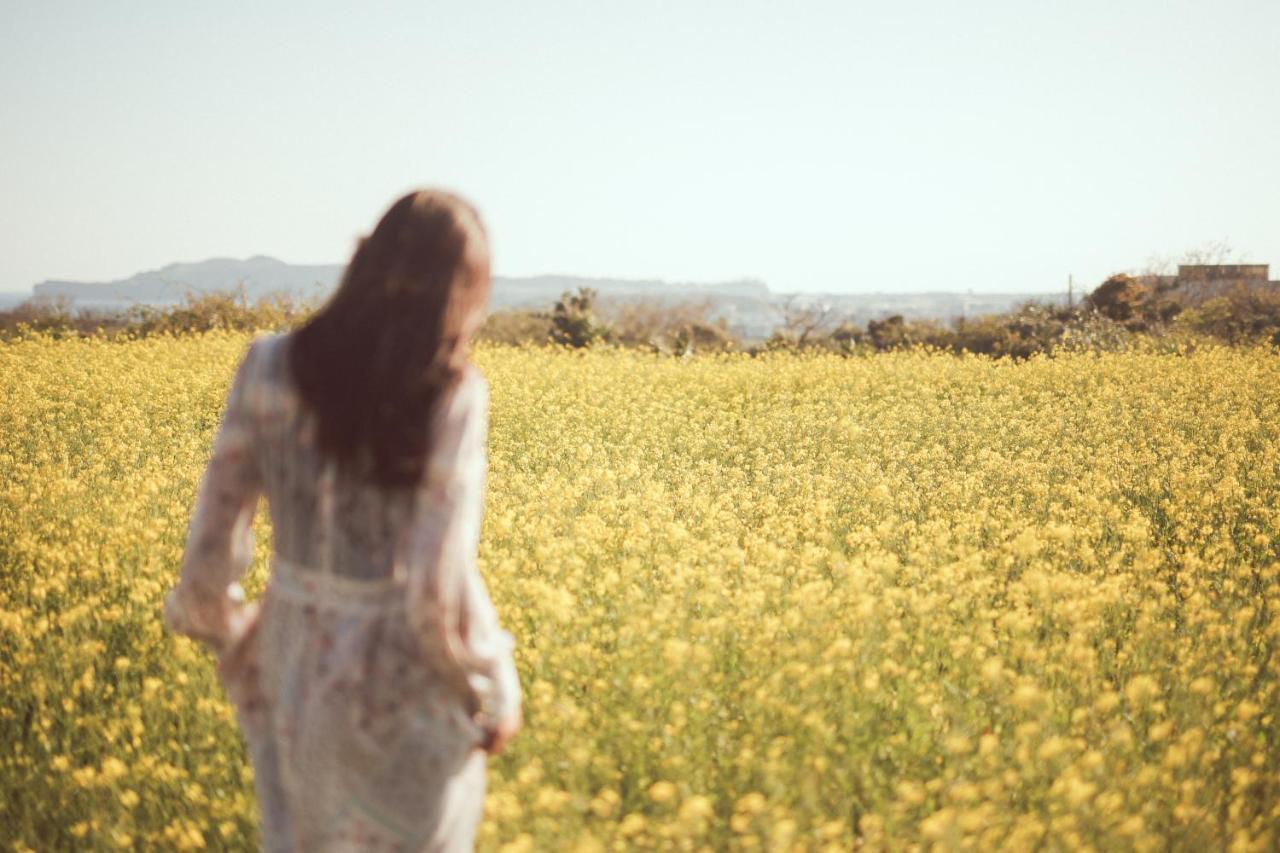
pixel 363 678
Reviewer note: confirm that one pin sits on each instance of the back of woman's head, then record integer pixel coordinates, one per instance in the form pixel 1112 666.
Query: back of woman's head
pixel 375 361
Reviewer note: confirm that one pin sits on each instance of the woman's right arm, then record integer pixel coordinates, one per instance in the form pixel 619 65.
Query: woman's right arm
pixel 449 604
pixel 486 641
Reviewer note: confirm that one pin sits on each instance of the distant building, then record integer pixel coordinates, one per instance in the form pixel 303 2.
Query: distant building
pixel 1197 282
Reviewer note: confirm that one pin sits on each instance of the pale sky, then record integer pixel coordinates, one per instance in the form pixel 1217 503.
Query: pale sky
pixel 819 146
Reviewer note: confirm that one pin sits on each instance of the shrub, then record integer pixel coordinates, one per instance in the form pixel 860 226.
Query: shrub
pixel 680 328
pixel 1119 298
pixel 53 316
pixel 1244 315
pixel 223 311
pixel 516 328
pixel 574 322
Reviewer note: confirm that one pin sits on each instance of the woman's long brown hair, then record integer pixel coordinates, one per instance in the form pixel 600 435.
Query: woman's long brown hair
pixel 375 361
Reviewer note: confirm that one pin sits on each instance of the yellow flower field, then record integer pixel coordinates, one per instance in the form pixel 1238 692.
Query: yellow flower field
pixel 779 603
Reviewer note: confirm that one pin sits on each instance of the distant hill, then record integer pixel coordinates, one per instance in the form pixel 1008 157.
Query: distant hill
pixel 262 276
pixel 259 275
pixel 748 306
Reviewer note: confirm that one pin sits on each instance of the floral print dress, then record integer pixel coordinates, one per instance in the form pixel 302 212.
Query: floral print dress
pixel 363 677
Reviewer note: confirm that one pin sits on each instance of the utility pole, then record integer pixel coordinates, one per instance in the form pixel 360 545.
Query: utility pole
pixel 1070 292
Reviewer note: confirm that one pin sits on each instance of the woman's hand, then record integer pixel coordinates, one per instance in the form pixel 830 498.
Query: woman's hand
pixel 502 731
pixel 234 652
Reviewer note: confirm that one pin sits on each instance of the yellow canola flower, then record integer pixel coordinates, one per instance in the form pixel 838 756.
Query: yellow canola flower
pixel 662 792
pixel 886 602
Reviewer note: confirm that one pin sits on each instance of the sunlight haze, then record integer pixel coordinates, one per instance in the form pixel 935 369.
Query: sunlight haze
pixel 842 147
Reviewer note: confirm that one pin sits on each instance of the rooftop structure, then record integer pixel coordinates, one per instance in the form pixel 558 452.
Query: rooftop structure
pixel 1219 272
pixel 1198 282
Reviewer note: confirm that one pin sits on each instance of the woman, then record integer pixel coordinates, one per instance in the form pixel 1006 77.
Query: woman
pixel 373 677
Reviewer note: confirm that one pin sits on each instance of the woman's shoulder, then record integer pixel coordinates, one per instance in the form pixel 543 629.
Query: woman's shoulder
pixel 465 401
pixel 268 346
pixel 267 372
pixel 267 358
pixel 471 391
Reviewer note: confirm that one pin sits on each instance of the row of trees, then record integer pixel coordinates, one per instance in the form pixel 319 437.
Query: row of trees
pixel 228 311
pixel 1241 314
pixel 1114 316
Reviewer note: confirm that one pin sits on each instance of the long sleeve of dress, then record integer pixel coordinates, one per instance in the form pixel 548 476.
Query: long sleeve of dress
pixel 208 603
pixel 449 605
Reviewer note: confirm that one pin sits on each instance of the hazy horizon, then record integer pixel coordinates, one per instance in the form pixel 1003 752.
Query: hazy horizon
pixel 989 147
pixel 1080 286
